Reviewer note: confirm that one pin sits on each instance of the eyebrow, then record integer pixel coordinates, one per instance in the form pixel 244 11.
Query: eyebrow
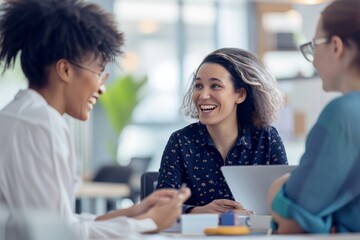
pixel 212 79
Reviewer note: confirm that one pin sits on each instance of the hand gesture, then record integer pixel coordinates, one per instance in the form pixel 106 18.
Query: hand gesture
pixel 157 197
pixel 169 208
pixel 221 206
pixel 168 198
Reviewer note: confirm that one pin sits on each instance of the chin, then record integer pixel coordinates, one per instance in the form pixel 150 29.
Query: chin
pixel 326 88
pixel 204 122
pixel 82 117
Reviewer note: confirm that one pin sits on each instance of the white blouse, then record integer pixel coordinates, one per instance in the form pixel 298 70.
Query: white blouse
pixel 38 169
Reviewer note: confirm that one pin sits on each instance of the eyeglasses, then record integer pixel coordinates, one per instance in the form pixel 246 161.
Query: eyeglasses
pixel 99 74
pixel 307 49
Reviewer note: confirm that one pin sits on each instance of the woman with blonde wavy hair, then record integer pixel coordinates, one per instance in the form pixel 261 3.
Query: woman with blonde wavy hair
pixel 235 98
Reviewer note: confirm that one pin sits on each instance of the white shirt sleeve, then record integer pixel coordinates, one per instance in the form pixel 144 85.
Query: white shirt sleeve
pixel 38 171
pixel 116 228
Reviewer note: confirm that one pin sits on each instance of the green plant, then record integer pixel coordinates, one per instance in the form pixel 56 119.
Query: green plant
pixel 119 102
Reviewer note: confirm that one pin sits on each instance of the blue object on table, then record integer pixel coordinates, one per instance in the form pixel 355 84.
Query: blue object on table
pixel 228 218
pixel 232 218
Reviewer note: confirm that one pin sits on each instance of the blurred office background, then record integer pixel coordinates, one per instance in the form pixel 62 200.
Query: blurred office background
pixel 165 42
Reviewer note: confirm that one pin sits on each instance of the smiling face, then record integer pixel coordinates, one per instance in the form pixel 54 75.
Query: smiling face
pixel 214 95
pixel 84 88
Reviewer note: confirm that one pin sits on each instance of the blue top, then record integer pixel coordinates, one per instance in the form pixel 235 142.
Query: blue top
pixel 191 157
pixel 324 190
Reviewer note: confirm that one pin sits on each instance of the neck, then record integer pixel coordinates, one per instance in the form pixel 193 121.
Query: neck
pixel 224 137
pixel 53 96
pixel 351 82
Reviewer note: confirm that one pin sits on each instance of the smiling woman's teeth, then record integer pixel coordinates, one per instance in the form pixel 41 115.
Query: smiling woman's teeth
pixel 207 107
pixel 92 101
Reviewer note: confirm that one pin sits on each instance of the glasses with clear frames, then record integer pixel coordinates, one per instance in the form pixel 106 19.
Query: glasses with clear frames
pixel 100 75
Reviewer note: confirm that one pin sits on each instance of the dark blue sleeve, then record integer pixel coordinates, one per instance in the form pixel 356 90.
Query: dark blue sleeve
pixel 277 149
pixel 171 165
pixel 187 208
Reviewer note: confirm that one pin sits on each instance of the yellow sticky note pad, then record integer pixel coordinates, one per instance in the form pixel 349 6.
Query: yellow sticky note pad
pixel 227 230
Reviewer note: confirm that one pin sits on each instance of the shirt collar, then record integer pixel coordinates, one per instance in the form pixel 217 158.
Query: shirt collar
pixel 244 137
pixel 204 135
pixel 30 93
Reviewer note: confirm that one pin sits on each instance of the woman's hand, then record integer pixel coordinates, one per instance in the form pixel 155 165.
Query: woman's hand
pixel 221 206
pixel 157 197
pixel 169 208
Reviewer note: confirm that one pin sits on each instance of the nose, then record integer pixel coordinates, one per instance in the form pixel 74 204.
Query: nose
pixel 102 89
pixel 103 79
pixel 204 94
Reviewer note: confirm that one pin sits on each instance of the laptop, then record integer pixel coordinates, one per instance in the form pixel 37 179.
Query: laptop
pixel 250 184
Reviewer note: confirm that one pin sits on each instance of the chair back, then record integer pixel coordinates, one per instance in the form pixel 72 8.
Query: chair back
pixel 148 183
pixel 139 165
pixel 113 173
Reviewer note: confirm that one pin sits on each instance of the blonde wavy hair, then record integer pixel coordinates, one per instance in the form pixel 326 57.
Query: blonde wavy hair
pixel 264 98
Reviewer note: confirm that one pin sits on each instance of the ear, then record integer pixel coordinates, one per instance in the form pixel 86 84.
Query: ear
pixel 337 46
pixel 62 68
pixel 241 95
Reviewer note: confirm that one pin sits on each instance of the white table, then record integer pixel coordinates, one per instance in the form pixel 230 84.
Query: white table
pixel 98 193
pixel 162 236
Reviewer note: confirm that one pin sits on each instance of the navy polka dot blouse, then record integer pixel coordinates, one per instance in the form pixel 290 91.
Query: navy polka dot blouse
pixel 191 157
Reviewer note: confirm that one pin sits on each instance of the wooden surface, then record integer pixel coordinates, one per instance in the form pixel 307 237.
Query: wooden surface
pixel 102 190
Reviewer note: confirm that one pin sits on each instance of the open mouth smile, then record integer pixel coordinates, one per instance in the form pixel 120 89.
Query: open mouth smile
pixel 207 107
pixel 92 101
